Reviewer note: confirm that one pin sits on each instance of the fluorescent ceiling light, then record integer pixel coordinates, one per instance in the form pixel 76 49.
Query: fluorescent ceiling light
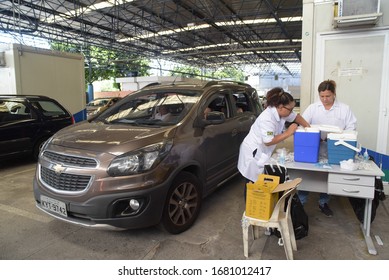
pixel 84 10
pixel 203 26
pixel 203 47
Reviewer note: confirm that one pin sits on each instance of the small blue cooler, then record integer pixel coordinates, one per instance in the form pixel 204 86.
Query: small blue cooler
pixel 341 146
pixel 306 145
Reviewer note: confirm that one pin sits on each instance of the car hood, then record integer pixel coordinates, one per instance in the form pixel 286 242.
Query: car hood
pixel 110 138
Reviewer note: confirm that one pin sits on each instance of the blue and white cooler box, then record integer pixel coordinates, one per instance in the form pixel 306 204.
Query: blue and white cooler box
pixel 341 146
pixel 306 145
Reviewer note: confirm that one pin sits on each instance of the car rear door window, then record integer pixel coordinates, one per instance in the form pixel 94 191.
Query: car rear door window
pixel 49 109
pixel 11 111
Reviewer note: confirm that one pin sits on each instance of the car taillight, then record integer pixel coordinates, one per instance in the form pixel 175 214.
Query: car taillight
pixel 73 121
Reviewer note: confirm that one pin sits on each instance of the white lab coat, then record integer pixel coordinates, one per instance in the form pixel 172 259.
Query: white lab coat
pixel 165 117
pixel 340 115
pixel 263 130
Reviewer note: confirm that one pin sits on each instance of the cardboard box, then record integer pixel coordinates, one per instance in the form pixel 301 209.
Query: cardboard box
pixel 263 195
pixel 306 145
pixel 341 146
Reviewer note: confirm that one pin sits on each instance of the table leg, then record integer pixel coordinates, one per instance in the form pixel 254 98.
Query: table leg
pixel 366 227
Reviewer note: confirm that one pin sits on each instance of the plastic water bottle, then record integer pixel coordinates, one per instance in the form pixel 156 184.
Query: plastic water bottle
pixel 282 156
pixel 365 156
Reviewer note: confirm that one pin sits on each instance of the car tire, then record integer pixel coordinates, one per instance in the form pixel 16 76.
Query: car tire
pixel 183 203
pixel 37 148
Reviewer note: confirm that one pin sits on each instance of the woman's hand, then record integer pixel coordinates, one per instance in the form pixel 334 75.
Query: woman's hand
pixel 301 121
pixel 291 129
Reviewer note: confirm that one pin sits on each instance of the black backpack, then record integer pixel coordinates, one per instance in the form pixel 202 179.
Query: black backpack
pixel 298 215
pixel 358 204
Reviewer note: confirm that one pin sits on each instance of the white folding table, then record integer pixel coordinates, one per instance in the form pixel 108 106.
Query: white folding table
pixel 337 181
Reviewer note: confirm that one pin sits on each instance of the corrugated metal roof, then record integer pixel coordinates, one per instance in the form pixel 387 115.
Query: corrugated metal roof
pixel 204 33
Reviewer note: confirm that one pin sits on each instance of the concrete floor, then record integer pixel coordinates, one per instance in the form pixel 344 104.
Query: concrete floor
pixel 28 234
pixel 335 238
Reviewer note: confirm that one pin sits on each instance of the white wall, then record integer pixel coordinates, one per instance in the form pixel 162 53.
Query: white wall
pixel 264 84
pixel 30 70
pixel 7 71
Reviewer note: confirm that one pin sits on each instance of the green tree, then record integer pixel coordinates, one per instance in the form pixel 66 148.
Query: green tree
pixel 103 64
pixel 228 73
pixel 186 71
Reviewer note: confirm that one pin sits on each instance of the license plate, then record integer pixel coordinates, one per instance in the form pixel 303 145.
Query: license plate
pixel 53 205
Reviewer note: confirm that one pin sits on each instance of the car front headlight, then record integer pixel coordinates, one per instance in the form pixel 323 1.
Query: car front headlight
pixel 139 161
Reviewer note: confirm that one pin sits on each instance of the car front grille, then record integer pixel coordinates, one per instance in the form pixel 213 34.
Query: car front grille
pixel 70 160
pixel 64 181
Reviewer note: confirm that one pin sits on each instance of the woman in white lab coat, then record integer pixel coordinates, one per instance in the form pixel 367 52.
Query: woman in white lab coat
pixel 327 111
pixel 267 131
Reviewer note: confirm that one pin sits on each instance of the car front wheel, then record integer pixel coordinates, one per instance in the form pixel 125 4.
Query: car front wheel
pixel 182 204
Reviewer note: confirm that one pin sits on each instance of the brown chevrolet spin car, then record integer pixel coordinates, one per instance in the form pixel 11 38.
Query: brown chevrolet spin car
pixel 149 159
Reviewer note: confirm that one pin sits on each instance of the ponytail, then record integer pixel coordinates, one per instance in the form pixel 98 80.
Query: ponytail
pixel 277 96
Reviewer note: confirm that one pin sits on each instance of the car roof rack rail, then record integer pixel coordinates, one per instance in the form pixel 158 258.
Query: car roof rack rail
pixel 220 82
pixel 152 84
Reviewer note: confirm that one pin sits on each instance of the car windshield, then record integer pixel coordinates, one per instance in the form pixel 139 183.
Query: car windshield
pixel 151 108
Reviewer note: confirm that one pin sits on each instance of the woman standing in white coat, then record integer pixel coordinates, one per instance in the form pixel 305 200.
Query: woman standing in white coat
pixel 327 111
pixel 267 131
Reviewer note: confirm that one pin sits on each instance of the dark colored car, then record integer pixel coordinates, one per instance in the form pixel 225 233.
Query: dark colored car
pixel 127 168
pixel 27 121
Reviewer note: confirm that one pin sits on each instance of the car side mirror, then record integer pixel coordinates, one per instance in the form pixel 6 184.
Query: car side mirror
pixel 215 117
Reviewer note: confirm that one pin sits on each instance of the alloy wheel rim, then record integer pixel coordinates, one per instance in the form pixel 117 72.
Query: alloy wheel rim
pixel 183 203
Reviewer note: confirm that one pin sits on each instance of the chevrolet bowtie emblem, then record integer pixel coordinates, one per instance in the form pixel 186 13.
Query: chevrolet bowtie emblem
pixel 58 169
